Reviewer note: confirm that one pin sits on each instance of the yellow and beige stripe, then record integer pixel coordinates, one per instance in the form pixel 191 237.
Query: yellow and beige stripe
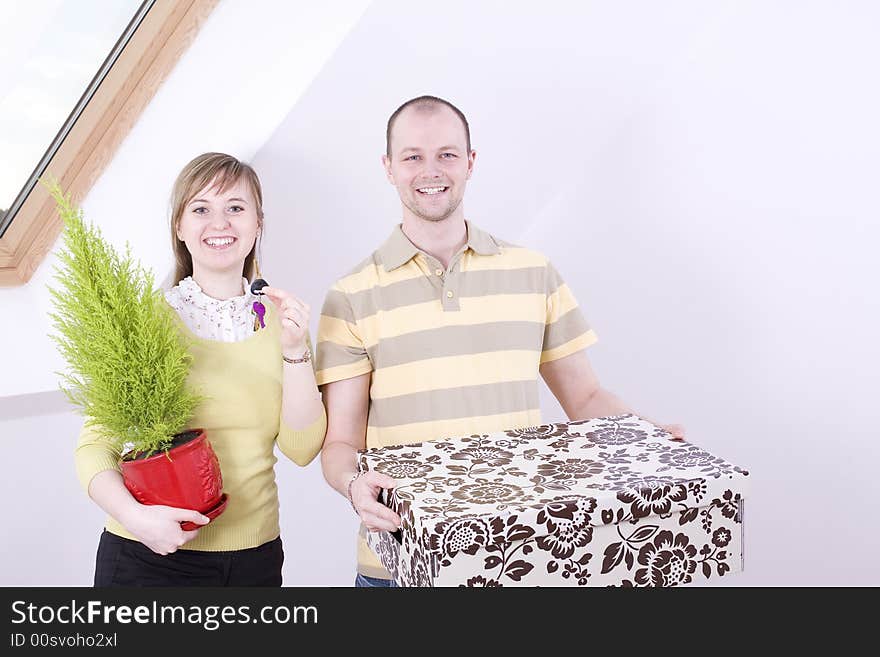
pixel 438 370
pixel 415 432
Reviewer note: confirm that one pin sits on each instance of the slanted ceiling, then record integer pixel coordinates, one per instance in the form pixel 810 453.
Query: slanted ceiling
pixel 168 29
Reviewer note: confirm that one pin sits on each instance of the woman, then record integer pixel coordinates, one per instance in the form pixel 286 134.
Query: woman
pixel 255 371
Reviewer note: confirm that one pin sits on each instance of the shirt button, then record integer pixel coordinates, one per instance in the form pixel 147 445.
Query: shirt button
pixel 439 272
pixel 448 294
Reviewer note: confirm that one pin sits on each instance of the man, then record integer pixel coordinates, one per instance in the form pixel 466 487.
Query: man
pixel 444 329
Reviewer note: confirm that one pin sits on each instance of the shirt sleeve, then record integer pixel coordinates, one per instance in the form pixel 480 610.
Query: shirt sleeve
pixel 565 329
pixel 341 353
pixel 94 454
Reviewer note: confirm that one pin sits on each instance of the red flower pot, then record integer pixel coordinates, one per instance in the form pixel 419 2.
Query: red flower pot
pixel 186 477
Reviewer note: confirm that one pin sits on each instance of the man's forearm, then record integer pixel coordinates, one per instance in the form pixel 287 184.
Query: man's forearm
pixel 339 464
pixel 601 403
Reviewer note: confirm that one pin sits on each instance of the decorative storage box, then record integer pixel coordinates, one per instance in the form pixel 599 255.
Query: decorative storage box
pixel 609 501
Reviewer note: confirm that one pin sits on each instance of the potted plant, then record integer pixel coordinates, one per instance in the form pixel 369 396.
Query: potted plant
pixel 128 365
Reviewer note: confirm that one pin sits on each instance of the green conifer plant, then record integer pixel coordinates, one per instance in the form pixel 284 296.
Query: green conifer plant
pixel 127 360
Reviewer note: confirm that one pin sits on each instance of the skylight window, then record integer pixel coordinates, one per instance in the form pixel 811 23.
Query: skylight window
pixel 53 56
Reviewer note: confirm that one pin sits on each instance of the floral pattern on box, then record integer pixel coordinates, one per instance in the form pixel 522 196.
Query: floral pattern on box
pixel 603 502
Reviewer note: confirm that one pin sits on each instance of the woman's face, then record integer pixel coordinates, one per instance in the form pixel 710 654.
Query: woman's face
pixel 219 229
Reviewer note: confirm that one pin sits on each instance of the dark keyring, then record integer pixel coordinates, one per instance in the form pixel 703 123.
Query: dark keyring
pixel 258 285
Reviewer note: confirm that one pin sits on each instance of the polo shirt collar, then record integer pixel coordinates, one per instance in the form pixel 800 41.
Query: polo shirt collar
pixel 398 250
pixel 480 241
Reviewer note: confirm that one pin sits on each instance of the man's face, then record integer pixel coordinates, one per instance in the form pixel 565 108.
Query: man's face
pixel 430 163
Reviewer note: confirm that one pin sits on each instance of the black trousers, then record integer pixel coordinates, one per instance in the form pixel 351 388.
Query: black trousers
pixel 123 562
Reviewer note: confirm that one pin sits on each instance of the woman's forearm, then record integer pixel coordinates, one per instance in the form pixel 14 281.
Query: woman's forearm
pixel 109 492
pixel 300 401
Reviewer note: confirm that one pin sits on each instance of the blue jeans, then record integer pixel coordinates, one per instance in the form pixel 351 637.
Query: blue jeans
pixel 362 581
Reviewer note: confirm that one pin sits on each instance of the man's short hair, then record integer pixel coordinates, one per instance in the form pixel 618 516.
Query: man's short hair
pixel 426 102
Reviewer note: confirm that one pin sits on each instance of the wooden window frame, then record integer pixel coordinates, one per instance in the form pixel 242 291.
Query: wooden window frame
pixel 166 31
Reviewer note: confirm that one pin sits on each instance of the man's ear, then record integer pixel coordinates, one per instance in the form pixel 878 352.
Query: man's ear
pixel 472 156
pixel 386 163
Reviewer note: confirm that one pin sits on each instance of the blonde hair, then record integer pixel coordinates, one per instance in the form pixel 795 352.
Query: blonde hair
pixel 222 171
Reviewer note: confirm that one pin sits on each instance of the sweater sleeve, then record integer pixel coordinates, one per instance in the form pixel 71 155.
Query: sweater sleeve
pixel 93 454
pixel 302 446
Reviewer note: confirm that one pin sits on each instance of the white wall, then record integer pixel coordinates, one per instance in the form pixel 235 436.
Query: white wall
pixel 248 66
pixel 704 175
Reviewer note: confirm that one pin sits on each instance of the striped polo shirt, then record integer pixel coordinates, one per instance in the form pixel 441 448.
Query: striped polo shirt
pixel 453 351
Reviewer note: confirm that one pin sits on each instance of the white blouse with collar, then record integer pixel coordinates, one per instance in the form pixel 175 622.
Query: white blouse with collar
pixel 227 320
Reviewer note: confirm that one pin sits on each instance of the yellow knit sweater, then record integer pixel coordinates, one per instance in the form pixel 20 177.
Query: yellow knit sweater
pixel 242 419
